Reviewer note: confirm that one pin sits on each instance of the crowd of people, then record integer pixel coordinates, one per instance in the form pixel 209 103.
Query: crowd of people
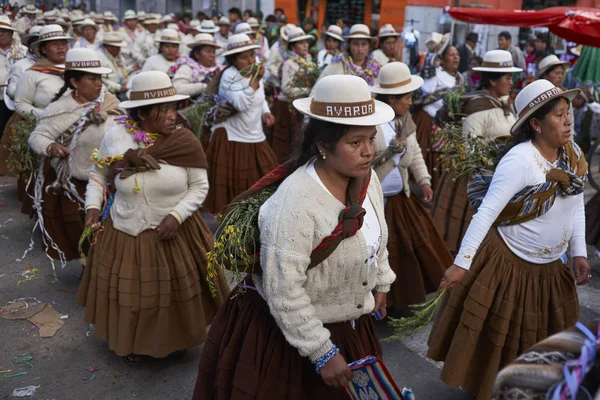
pixel 337 145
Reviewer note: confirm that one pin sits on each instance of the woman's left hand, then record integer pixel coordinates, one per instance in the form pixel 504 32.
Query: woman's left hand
pixel 582 270
pixel 427 193
pixel 380 300
pixel 167 228
pixel 269 119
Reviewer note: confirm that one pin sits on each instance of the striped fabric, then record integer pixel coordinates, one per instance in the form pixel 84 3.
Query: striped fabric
pixel 371 380
pixel 536 200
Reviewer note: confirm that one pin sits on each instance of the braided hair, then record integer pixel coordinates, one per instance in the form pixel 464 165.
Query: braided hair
pixel 328 133
pixel 77 75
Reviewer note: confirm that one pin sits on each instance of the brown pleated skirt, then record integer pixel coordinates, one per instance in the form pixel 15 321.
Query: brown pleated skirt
pixel 233 167
pixel 417 253
pixel 502 306
pixel 148 296
pixel 286 130
pixel 63 219
pixel 247 357
pixel 424 124
pixel 5 143
pixel 592 221
pixel 451 211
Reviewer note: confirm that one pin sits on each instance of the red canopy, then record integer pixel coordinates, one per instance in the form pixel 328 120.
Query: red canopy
pixel 575 24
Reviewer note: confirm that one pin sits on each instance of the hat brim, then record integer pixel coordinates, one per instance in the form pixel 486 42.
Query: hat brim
pixel 39 42
pixel 141 103
pixel 301 38
pixel 443 45
pixel 28 37
pixel 168 41
pixel 542 71
pixel 567 94
pixel 575 52
pixel 95 71
pixel 336 37
pixel 415 83
pixel 197 44
pixel 207 30
pixel 383 113
pixel 8 28
pixel 240 50
pixel 349 38
pixel 96 27
pixel 386 35
pixel 505 70
pixel 120 44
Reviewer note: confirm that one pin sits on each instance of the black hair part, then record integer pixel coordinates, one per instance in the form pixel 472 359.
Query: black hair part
pixel 477 59
pixel 77 75
pixel 506 35
pixel 488 77
pixel 193 52
pixel 315 131
pixel 135 113
pixel 271 18
pixel 280 10
pixel 249 12
pixel 386 98
pixel 236 11
pixel 526 131
pixel 230 59
pixel 381 42
pixel 259 15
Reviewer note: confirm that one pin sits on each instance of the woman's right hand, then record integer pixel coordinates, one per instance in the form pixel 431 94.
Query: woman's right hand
pixel 336 372
pixel 453 275
pixel 58 150
pixel 92 217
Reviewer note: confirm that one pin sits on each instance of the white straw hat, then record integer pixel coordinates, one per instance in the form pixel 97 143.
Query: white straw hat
pixel 224 21
pixel 253 22
pixel 296 34
pixel 238 44
pixel 152 87
pixel 243 27
pixel 359 31
pixel 141 15
pixel 168 36
pixel 283 32
pixel 195 25
pixel 34 33
pixel 534 96
pixel 173 26
pixel 5 23
pixel 387 30
pixel 203 39
pixel 51 15
pixel 129 14
pixel 498 61
pixel 395 78
pixel 84 60
pixel 113 39
pixel 29 9
pixel 51 32
pixel 150 19
pixel 89 22
pixel 166 19
pixel 438 42
pixel 345 100
pixel 335 32
pixel 109 16
pixel 549 62
pixel 208 26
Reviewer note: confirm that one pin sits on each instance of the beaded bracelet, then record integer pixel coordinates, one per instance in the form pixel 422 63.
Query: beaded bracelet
pixel 320 363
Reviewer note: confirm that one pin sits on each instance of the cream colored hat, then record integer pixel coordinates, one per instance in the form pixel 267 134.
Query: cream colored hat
pixel 576 51
pixel 39 20
pixel 84 60
pixel 129 14
pixel 60 21
pixel 283 32
pixel 109 16
pixel 166 19
pixel 29 9
pixel 113 39
pixel 51 15
pixel 243 27
pixel 168 36
pixel 173 26
pixel 253 22
pixel 98 18
pixel 89 22
pixel 549 62
pixel 208 26
pixel 152 87
pixel 438 42
pixel 335 32
pixel 359 31
pixel 77 20
pixel 498 61
pixel 534 96
pixel 345 100
pixel 34 33
pixel 388 30
pixel 51 32
pixel 141 15
pixel 296 34
pixel 395 78
pixel 224 21
pixel 195 25
pixel 238 44
pixel 6 24
pixel 65 15
pixel 203 39
pixel 150 20
pixel 78 13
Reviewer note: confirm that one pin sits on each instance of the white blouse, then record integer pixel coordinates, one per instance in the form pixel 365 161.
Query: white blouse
pixel 441 80
pixel 157 63
pixel 392 184
pixel 35 90
pixel 540 240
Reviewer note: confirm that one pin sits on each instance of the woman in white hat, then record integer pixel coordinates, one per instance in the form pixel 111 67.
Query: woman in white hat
pixel 388 45
pixel 435 86
pixel 261 40
pixel 333 46
pixel 145 44
pixel 238 153
pixel 357 59
pixel 262 53
pixel 191 75
pixel 298 75
pixel 27 21
pixel 553 70
pixel 509 287
pixel 64 138
pixel 275 61
pixel 418 254
pixel 129 33
pixel 489 115
pixel 110 56
pixel 153 240
pixel 89 33
pixel 110 23
pixel 323 261
pixel 222 35
pixel 168 52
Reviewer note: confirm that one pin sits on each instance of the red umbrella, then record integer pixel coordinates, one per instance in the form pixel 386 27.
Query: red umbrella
pixel 575 24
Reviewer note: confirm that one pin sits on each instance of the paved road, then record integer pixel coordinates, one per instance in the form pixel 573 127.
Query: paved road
pixel 60 363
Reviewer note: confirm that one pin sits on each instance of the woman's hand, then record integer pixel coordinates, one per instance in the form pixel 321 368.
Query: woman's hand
pixel 398 145
pixel 380 300
pixel 453 275
pixel 167 228
pixel 269 119
pixel 336 372
pixel 92 217
pixel 58 150
pixel 582 270
pixel 427 193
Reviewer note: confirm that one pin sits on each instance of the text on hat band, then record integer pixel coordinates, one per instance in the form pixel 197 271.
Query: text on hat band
pixel 395 85
pixel 173 39
pixel 499 64
pixel 49 35
pixel 232 46
pixel 153 94
pixel 2 23
pixel 547 95
pixel 343 110
pixel 82 64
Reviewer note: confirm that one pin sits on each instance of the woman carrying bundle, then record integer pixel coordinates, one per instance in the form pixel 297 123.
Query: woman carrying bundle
pixel 238 154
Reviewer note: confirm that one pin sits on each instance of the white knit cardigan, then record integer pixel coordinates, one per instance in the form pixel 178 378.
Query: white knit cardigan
pixel 292 223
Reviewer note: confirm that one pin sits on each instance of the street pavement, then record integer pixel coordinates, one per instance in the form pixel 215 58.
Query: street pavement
pixel 74 364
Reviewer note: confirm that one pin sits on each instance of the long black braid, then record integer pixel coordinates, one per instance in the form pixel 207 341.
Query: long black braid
pixel 77 75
